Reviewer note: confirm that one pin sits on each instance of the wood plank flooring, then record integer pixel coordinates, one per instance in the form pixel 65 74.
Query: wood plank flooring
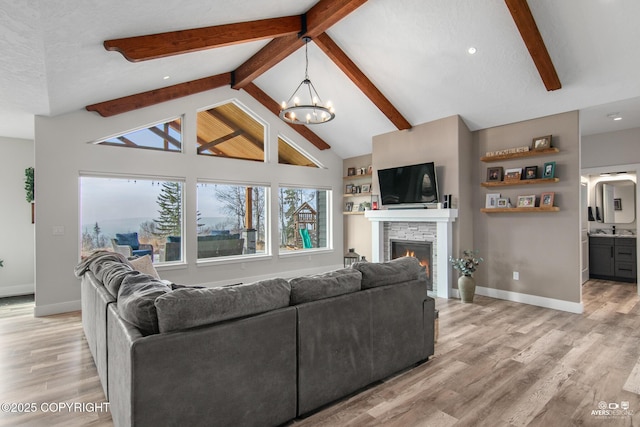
pixel 497 363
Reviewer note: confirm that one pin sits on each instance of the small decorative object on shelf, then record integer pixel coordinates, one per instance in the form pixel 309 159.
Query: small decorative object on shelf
pixel 546 199
pixel 466 265
pixel 351 171
pixel 531 172
pixel 374 202
pixel 351 257
pixel 541 143
pixel 527 201
pixel 348 207
pixel 503 202
pixel 364 206
pixel 492 200
pixel 513 174
pixel 495 173
pixel 549 170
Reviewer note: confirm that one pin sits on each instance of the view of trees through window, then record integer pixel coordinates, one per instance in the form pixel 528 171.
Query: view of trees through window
pixel 112 207
pixel 232 220
pixel 163 136
pixel 303 218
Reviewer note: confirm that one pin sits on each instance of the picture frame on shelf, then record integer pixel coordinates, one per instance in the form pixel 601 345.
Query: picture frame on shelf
pixel 549 170
pixel 541 143
pixel 366 188
pixel 531 172
pixel 348 189
pixel 546 199
pixel 370 169
pixel 492 200
pixel 495 174
pixel 348 207
pixel 351 171
pixel 528 201
pixel 513 174
pixel 503 202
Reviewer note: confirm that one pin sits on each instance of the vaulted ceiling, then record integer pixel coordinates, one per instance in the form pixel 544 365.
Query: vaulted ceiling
pixel 385 64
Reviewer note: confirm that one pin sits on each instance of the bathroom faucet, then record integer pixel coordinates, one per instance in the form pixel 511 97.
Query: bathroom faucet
pixel 613 229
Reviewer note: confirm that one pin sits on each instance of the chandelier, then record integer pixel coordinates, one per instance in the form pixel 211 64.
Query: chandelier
pixel 311 111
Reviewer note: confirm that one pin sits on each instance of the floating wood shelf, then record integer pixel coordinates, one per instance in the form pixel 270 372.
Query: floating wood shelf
pixel 520 210
pixel 531 153
pixel 353 213
pixel 520 182
pixel 368 193
pixel 362 175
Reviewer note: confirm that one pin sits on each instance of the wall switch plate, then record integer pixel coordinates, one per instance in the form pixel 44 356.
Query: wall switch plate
pixel 516 275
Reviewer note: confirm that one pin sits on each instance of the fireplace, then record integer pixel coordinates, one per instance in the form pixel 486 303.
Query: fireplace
pixel 418 249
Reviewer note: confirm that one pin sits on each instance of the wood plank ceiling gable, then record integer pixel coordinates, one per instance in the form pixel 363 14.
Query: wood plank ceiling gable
pixel 287 35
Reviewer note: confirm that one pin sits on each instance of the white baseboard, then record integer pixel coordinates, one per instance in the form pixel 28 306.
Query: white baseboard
pixel 12 291
pixel 63 307
pixel 555 304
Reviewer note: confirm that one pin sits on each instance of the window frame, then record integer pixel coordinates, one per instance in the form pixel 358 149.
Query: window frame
pixel 103 141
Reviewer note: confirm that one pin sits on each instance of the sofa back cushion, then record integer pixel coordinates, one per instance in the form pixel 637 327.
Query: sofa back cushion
pixel 128 239
pixel 189 307
pixel 388 273
pixel 136 301
pixel 331 284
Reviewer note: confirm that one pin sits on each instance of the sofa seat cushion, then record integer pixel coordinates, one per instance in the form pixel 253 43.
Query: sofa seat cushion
pixel 327 285
pixel 388 273
pixel 190 307
pixel 136 298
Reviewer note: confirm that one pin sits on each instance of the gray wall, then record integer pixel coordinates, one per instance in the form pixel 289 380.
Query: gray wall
pixel 611 149
pixel 543 247
pixel 17 243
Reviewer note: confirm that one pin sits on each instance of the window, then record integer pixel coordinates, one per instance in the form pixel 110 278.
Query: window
pixel 232 220
pixel 133 216
pixel 303 218
pixel 164 136
pixel 289 154
pixel 230 131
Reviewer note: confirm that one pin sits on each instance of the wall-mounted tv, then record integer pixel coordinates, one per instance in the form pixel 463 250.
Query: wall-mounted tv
pixel 411 184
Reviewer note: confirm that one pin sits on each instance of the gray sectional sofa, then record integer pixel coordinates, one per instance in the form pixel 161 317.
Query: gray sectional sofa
pixel 257 354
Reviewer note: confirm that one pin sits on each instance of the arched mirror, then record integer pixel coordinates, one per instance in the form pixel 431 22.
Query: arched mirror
pixel 616 201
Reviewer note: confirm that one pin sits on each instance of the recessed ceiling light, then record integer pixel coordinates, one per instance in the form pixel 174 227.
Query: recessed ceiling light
pixel 166 77
pixel 614 116
pixel 472 50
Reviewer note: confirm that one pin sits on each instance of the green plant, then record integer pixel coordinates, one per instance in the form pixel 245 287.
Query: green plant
pixel 468 263
pixel 29 181
pixel 1 263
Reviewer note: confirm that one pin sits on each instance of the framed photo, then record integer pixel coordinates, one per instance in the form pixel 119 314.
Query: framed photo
pixel 531 172
pixel 495 173
pixel 549 170
pixel 348 189
pixel 546 199
pixel 541 142
pixel 370 169
pixel 503 202
pixel 351 171
pixel 492 200
pixel 527 201
pixel 617 204
pixel 348 207
pixel 513 174
pixel 366 188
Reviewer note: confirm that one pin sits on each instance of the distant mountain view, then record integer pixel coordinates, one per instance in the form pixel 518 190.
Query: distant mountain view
pixel 110 227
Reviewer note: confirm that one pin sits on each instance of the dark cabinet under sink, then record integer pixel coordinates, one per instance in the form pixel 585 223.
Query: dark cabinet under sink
pixel 612 258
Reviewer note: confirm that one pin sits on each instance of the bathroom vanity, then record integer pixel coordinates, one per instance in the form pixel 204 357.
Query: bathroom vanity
pixel 612 257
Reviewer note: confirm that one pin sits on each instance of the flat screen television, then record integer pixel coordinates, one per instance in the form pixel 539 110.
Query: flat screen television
pixel 413 184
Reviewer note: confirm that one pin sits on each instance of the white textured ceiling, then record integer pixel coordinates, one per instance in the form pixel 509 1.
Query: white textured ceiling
pixel 414 51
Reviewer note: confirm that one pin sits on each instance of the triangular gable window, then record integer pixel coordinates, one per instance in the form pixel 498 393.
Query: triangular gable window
pixel 163 136
pixel 289 154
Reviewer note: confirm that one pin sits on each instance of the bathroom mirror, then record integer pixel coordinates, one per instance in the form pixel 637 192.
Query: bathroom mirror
pixel 616 201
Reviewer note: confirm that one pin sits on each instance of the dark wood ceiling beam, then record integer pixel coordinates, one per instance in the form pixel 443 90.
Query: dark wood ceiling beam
pixel 156 96
pixel 274 107
pixel 166 137
pixel 215 150
pixel 126 141
pixel 318 19
pixel 220 140
pixel 340 58
pixel 154 46
pixel 532 38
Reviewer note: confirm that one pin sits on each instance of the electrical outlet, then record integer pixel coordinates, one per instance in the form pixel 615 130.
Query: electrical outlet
pixel 516 275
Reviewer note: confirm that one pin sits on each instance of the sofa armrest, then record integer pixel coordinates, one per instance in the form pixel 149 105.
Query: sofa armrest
pixel 429 313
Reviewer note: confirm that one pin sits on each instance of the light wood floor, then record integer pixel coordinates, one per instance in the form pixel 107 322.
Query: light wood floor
pixel 497 363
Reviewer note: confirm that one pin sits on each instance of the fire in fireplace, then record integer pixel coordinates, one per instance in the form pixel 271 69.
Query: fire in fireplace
pixel 420 250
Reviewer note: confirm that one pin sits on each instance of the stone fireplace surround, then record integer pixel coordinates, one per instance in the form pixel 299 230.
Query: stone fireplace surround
pixel 434 225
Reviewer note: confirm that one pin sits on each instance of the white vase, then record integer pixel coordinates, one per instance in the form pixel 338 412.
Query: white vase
pixel 467 288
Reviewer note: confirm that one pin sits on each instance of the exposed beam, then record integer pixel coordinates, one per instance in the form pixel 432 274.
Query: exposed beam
pixel 154 46
pixel 532 38
pixel 318 19
pixel 220 140
pixel 274 107
pixel 337 55
pixel 168 139
pixel 236 126
pixel 156 96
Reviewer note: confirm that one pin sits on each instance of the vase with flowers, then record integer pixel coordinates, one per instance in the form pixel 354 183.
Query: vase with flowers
pixel 466 265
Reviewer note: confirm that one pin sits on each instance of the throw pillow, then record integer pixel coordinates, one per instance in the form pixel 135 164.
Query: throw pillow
pixel 144 265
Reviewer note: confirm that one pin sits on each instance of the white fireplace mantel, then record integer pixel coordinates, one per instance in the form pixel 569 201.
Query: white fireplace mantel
pixel 443 218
